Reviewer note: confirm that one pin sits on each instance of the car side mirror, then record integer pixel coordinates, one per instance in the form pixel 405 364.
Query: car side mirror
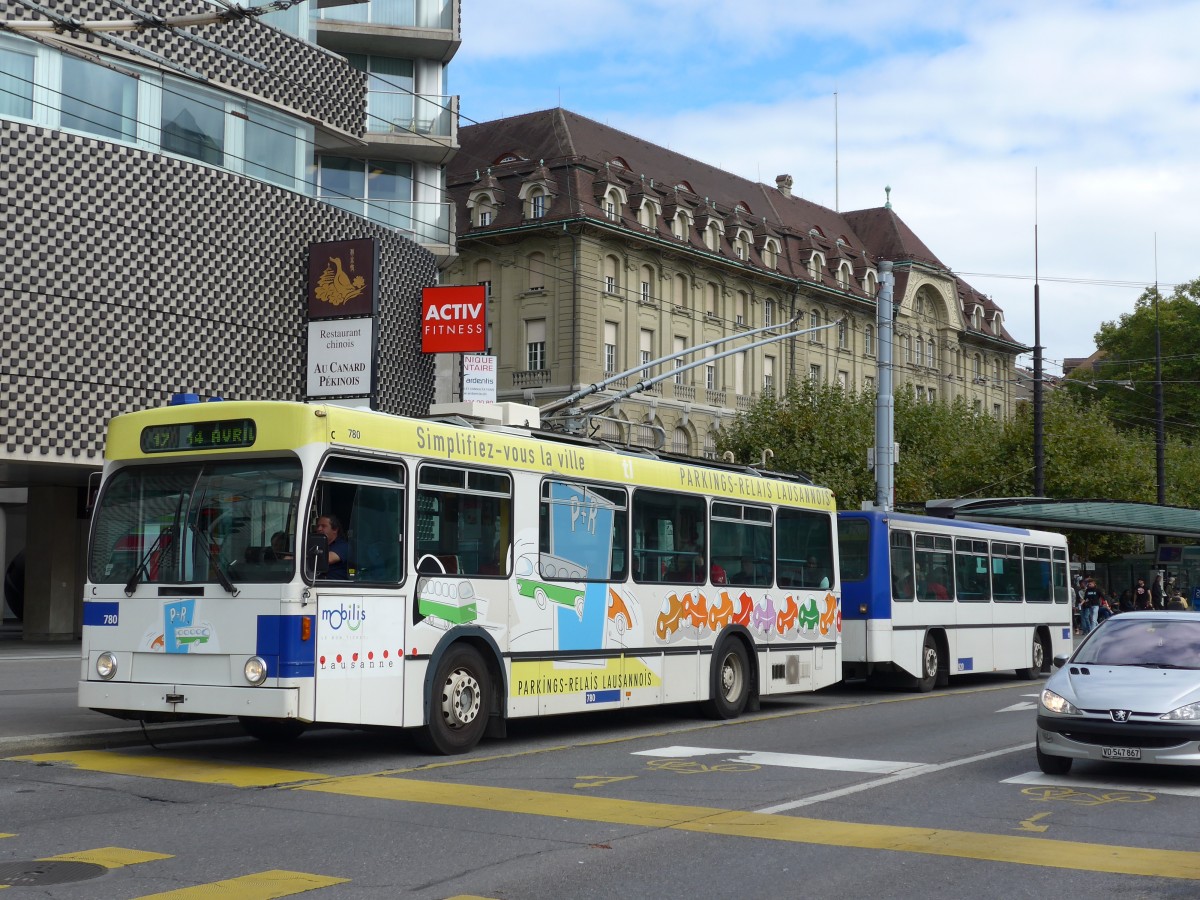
pixel 316 555
pixel 1060 660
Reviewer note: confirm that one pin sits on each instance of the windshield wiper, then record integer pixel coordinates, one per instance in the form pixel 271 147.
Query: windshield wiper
pixel 1155 665
pixel 213 560
pixel 132 583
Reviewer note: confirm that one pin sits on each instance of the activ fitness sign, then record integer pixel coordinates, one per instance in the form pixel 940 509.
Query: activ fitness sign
pixel 454 319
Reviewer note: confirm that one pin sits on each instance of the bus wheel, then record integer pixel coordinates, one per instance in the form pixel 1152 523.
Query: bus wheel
pixel 272 731
pixel 929 665
pixel 1038 654
pixel 458 709
pixel 729 689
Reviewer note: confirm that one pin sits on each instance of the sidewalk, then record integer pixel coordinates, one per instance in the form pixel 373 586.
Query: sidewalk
pixel 39 712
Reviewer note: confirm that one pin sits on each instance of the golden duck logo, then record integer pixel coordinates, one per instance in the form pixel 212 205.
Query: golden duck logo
pixel 335 287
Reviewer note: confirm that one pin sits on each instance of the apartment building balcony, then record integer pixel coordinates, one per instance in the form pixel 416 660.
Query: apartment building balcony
pixel 715 397
pixel 422 29
pixel 745 403
pixel 686 392
pixel 531 378
pixel 422 127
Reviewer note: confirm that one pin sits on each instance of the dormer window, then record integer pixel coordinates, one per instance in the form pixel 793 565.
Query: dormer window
pixel 537 205
pixel 770 253
pixel 712 236
pixel 612 206
pixel 977 319
pixel 741 243
pixel 816 262
pixel 869 284
pixel 681 225
pixel 485 217
pixel 843 276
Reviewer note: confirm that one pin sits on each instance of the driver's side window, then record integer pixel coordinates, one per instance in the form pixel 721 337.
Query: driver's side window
pixel 359 506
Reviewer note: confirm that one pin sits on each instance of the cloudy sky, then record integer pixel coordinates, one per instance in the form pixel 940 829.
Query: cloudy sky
pixel 982 116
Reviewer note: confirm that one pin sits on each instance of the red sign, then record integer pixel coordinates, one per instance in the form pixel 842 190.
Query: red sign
pixel 454 319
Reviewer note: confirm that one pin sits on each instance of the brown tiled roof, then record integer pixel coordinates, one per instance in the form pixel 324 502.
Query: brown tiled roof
pixel 586 156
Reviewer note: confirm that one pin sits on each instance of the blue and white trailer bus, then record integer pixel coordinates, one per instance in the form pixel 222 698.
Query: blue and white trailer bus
pixel 926 598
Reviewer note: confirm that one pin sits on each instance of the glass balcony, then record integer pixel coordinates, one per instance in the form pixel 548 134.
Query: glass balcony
pixel 399 112
pixel 398 13
pixel 423 222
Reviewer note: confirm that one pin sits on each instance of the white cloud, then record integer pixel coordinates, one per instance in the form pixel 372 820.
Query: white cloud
pixel 954 105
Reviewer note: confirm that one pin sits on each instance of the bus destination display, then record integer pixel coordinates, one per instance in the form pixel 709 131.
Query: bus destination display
pixel 220 435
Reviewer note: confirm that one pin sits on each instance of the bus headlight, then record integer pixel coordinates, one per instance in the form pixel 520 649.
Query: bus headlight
pixel 106 665
pixel 255 670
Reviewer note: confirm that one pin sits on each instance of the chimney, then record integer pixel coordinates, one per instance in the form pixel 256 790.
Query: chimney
pixel 784 183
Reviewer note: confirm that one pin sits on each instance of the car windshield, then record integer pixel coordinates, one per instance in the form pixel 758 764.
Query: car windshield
pixel 1136 641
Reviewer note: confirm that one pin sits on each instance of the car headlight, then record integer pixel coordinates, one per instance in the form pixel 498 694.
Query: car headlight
pixel 106 665
pixel 1057 704
pixel 255 670
pixel 1189 713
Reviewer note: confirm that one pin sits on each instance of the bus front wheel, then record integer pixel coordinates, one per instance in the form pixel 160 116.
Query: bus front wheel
pixel 272 731
pixel 458 709
pixel 729 690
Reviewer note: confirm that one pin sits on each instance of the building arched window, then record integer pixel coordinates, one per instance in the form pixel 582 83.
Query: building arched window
pixel 682 293
pixel 713 302
pixel 682 442
pixel 682 225
pixel 931 354
pixel 770 254
pixel 483 275
pixel 537 271
pixel 646 288
pixel 536 203
pixel 485 211
pixel 712 236
pixel 612 269
pixel 843 276
pixel 612 205
pixel 869 284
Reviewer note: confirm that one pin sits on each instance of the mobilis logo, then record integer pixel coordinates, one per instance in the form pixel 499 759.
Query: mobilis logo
pixel 352 618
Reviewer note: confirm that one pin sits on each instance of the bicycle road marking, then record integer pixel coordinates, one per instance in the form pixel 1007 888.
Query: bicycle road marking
pixel 1085 798
pixel 1124 784
pixel 790 760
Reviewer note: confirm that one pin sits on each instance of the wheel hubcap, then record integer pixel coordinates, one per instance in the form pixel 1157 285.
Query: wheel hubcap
pixel 731 677
pixel 1038 656
pixel 930 662
pixel 460 699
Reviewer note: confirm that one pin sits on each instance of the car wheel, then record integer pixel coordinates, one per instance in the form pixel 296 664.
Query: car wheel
pixel 730 682
pixel 1038 654
pixel 461 701
pixel 929 665
pixel 1053 765
pixel 272 731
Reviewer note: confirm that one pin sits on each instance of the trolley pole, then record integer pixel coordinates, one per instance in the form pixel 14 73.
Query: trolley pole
pixel 884 456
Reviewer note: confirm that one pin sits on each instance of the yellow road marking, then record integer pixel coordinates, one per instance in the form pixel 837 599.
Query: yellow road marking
pixel 190 770
pixel 932 841
pixel 259 886
pixel 109 857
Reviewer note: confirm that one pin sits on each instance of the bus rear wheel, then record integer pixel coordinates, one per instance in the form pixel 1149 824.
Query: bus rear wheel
pixel 460 702
pixel 1038 655
pixel 929 665
pixel 729 690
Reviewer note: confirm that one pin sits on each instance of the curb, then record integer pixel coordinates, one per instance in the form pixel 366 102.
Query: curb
pixel 25 745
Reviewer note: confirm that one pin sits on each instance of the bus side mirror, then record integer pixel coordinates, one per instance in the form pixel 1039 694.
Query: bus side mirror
pixel 316 555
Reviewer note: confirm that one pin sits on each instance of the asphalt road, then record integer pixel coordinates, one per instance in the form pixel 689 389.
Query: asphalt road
pixel 847 792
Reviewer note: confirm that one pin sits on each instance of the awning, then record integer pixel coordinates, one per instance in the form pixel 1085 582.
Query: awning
pixel 1074 515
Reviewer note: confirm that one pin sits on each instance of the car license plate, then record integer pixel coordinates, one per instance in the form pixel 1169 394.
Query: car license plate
pixel 1121 752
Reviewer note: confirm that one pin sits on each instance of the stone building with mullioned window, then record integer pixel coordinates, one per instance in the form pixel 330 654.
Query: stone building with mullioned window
pixel 601 251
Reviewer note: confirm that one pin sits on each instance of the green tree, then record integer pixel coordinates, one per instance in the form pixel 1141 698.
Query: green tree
pixel 1125 376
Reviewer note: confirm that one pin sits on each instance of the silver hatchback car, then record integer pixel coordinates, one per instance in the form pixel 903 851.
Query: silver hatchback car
pixel 1130 693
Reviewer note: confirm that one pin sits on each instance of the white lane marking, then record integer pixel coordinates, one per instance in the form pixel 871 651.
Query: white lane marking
pixel 1146 787
pixel 1018 707
pixel 789 760
pixel 892 779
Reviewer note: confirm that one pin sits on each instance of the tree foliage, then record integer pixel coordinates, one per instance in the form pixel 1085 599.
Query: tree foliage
pixel 1125 376
pixel 947 450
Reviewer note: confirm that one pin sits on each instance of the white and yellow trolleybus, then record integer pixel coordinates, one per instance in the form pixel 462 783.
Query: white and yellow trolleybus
pixel 480 572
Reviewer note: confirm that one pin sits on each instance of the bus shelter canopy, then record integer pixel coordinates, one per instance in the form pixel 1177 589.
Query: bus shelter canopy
pixel 1074 515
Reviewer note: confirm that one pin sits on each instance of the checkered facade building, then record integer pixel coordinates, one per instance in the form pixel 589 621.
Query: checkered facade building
pixel 301 77
pixel 129 275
